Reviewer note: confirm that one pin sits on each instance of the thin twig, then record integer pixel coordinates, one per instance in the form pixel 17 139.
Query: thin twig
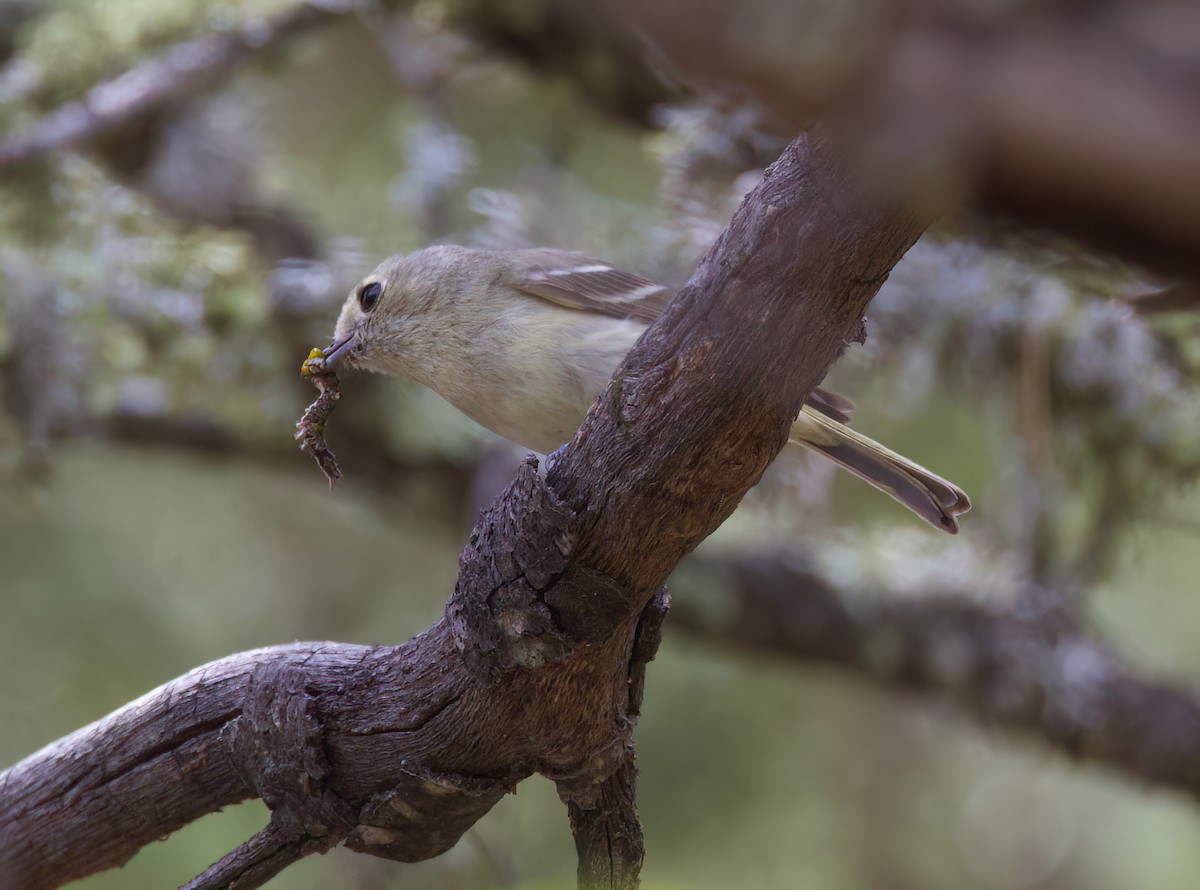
pixel 252 864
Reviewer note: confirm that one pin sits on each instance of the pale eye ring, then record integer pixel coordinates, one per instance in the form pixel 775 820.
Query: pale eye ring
pixel 368 296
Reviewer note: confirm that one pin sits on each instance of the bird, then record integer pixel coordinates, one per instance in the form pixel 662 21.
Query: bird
pixel 523 341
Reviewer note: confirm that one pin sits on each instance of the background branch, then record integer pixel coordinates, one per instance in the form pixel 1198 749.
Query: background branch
pixel 980 103
pixel 182 72
pixel 1030 669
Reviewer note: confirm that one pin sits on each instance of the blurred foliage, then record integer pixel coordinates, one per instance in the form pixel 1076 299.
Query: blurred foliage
pixel 76 43
pixel 133 313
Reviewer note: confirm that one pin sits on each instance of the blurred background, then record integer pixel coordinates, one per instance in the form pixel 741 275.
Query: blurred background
pixel 188 189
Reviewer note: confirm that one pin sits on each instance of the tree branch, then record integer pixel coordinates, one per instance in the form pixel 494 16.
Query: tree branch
pixel 400 749
pixel 603 815
pixel 982 106
pixel 1028 669
pixel 608 835
pixel 769 603
pixel 1080 117
pixel 254 863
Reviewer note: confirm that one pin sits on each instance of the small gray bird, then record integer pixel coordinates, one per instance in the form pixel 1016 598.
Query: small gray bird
pixel 522 341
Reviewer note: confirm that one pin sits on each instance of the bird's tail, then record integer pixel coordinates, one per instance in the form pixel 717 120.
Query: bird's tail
pixel 928 495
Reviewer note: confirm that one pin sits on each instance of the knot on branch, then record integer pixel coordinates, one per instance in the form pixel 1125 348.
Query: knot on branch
pixel 424 815
pixel 581 785
pixel 520 602
pixel 276 746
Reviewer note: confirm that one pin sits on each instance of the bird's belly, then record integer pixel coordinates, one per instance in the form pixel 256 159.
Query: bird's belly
pixel 538 407
pixel 540 426
pixel 534 396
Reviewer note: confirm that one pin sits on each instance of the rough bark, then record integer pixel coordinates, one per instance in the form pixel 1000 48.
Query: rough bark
pixel 538 663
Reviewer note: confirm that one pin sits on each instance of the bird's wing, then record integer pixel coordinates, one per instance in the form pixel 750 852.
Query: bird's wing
pixel 576 281
pixel 595 286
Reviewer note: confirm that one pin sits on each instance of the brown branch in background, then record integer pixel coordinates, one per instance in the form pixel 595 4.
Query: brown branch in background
pixel 14 15
pixel 609 70
pixel 149 128
pixel 980 105
pixel 1025 669
pixel 1084 117
pixel 377 469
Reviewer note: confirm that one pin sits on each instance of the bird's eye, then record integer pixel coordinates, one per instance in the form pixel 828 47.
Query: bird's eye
pixel 369 295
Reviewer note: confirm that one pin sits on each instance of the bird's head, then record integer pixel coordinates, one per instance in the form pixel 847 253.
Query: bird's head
pixel 388 323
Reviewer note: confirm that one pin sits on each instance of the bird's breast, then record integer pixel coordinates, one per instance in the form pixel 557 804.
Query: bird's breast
pixel 533 382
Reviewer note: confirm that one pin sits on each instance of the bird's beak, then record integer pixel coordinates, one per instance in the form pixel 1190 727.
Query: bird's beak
pixel 339 349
